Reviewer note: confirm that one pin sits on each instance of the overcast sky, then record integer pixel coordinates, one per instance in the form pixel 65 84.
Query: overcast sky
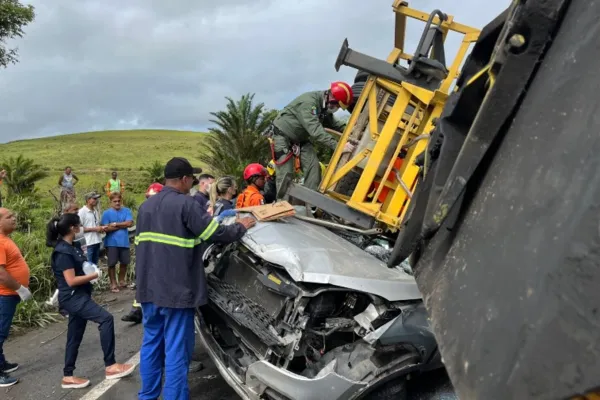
pixel 107 64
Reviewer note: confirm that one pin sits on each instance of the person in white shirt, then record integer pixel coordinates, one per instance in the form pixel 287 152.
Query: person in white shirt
pixel 92 230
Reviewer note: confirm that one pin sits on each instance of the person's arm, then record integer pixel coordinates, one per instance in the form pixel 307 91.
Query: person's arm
pixel 122 187
pixel 106 223
pixel 5 278
pixel 336 124
pixel 60 180
pixel 73 280
pixel 75 179
pixel 306 115
pixel 107 188
pixel 125 224
pixel 64 263
pixel 256 199
pixel 207 229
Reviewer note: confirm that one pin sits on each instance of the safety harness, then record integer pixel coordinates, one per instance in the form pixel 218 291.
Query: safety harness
pixel 295 150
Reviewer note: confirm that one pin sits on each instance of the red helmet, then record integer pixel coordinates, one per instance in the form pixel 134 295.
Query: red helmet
pixel 253 170
pixel 342 92
pixel 153 189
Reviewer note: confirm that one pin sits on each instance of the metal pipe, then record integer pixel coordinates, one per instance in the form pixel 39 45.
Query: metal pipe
pixel 368 232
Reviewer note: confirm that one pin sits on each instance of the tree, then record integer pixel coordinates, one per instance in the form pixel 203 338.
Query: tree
pixel 22 174
pixel 154 173
pixel 237 139
pixel 14 16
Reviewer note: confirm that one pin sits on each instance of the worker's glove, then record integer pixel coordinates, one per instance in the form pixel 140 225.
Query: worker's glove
pixel 226 214
pixel 348 148
pixel 24 293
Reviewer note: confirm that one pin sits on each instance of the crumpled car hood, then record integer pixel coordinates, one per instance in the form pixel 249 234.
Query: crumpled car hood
pixel 312 253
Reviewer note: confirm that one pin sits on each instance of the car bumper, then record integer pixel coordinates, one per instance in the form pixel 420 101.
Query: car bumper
pixel 262 375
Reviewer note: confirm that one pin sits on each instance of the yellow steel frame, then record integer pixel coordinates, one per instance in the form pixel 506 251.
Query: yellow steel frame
pixel 413 128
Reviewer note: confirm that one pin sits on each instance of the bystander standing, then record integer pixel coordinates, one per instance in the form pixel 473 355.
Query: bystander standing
pixel 114 184
pixel 75 297
pixel 90 220
pixel 14 287
pixel 117 220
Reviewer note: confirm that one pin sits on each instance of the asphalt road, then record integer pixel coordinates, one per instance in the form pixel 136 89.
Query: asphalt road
pixel 41 353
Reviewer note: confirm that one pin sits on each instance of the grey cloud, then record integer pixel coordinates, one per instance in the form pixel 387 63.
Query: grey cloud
pixel 103 64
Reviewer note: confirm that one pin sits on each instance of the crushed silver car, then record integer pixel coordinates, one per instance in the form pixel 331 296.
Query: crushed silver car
pixel 297 312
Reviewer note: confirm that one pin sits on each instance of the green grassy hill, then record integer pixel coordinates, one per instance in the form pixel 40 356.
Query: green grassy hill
pixel 94 155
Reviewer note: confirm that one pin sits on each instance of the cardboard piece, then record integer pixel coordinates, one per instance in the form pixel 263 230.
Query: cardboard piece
pixel 270 212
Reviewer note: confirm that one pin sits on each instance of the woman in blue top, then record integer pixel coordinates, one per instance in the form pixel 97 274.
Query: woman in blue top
pixel 75 297
pixel 223 191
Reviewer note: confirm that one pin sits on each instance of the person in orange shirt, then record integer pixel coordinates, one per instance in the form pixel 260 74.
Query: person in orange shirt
pixel 255 175
pixel 14 287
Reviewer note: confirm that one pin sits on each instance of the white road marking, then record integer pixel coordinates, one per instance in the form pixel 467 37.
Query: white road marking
pixel 104 386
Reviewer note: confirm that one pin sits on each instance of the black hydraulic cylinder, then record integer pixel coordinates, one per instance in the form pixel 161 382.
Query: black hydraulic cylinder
pixel 380 68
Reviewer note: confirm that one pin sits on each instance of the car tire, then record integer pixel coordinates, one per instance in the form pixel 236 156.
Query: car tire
pixel 361 76
pixel 348 183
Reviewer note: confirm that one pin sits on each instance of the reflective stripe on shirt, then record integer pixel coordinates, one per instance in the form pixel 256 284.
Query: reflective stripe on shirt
pixel 178 241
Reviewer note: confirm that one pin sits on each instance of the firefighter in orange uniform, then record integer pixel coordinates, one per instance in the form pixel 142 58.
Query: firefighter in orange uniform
pixel 255 175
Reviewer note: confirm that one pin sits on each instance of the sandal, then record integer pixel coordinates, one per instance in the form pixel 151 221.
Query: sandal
pixel 115 290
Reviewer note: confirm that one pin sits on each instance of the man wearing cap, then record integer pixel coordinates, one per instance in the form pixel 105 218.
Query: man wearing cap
pixel 172 229
pixel 92 230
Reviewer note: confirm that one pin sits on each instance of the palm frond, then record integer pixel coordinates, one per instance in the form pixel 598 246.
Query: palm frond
pixel 236 139
pixel 21 174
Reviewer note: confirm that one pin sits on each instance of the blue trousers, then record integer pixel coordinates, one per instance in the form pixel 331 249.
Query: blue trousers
pixel 93 253
pixel 169 341
pixel 8 306
pixel 81 309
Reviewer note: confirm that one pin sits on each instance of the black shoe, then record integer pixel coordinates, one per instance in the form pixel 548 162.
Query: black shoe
pixel 195 366
pixel 6 380
pixel 135 316
pixel 9 367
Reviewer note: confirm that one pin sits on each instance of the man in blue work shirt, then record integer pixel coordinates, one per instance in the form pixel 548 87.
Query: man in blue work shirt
pixel 117 220
pixel 171 230
pixel 204 183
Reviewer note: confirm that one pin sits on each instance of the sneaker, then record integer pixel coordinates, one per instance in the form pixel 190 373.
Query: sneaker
pixel 195 366
pixel 7 368
pixel 117 371
pixel 6 380
pixel 72 382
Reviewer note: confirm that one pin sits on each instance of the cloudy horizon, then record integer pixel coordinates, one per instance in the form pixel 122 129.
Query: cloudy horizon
pixel 89 65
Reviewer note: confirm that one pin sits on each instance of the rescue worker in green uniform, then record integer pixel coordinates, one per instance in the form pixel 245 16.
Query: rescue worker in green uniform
pixel 302 122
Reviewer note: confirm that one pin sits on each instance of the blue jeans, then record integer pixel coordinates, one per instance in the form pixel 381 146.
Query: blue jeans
pixel 8 306
pixel 169 341
pixel 93 253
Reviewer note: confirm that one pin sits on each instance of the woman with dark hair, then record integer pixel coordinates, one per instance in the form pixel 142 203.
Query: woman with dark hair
pixel 75 297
